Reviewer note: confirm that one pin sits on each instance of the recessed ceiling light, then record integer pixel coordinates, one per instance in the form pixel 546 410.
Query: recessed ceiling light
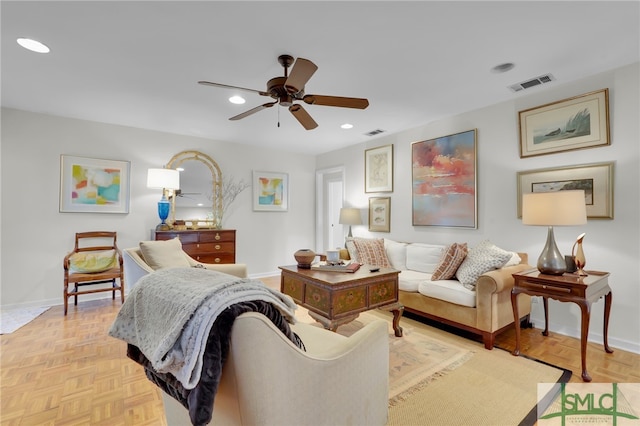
pixel 507 66
pixel 237 100
pixel 33 45
pixel 346 126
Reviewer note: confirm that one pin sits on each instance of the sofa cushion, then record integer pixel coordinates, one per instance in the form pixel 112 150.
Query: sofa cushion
pixel 451 259
pixel 448 290
pixel 424 257
pixel 480 259
pixel 409 280
pixel 396 253
pixel 371 251
pixel 514 260
pixel 164 254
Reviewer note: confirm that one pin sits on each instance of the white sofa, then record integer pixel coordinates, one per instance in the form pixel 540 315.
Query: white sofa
pixel 482 307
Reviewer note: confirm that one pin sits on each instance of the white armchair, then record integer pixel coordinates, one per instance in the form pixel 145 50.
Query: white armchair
pixel 267 380
pixel 135 266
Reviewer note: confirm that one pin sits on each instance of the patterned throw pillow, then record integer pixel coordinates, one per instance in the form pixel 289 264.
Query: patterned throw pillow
pixel 372 252
pixel 451 260
pixel 351 248
pixel 480 259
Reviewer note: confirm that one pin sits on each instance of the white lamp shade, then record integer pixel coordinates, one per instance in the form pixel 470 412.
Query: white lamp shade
pixel 163 178
pixel 559 208
pixel 350 216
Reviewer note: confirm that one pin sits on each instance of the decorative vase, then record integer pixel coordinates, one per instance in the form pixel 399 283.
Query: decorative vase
pixel 304 257
pixel 578 256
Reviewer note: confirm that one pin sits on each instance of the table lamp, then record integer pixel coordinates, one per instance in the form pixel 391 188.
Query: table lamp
pixel 165 179
pixel 559 208
pixel 350 216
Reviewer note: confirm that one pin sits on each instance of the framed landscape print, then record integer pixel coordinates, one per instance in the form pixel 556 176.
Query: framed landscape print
pixel 378 169
pixel 444 181
pixel 574 123
pixel 270 191
pixel 90 185
pixel 595 179
pixel 380 214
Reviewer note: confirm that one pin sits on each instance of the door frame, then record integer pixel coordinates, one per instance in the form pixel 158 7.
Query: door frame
pixel 321 203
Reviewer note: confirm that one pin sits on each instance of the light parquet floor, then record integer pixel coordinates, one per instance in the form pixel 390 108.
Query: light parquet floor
pixel 60 370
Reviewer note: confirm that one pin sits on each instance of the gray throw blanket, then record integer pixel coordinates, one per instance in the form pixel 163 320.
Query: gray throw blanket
pixel 199 401
pixel 169 313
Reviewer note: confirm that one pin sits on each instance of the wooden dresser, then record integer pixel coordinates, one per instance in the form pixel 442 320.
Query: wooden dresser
pixel 205 245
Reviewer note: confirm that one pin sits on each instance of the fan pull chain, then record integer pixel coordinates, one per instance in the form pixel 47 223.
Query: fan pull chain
pixel 278 117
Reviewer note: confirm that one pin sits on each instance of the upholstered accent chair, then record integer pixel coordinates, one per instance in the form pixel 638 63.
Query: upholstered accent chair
pixel 152 255
pixel 268 380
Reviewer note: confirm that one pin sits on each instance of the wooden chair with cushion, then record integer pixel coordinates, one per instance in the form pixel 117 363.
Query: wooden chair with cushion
pixel 95 260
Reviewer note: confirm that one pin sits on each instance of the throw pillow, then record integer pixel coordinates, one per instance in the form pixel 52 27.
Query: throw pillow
pixel 372 252
pixel 451 260
pixel 396 253
pixel 94 261
pixel 164 254
pixel 351 248
pixel 480 259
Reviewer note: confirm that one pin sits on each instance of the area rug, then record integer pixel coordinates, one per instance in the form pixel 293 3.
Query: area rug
pixel 415 359
pixel 13 319
pixel 486 388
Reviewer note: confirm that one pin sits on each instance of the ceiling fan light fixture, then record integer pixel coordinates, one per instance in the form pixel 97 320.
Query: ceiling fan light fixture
pixel 33 45
pixel 346 126
pixel 238 100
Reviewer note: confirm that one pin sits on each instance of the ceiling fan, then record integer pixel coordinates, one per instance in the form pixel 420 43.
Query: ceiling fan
pixel 285 90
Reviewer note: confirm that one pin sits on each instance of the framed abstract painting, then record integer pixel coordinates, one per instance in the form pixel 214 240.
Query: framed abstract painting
pixel 444 181
pixel 90 185
pixel 270 191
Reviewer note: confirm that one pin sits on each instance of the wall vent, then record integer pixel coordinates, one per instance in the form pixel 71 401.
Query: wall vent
pixel 547 78
pixel 374 132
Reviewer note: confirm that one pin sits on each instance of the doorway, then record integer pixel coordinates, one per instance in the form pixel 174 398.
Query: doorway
pixel 329 201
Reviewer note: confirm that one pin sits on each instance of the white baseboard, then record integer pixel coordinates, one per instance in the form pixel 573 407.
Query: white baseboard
pixel 562 329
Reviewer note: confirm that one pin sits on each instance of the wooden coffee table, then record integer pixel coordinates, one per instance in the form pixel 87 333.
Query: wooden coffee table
pixel 336 298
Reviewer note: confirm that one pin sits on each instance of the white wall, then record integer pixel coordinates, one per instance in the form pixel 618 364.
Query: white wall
pixel 36 236
pixel 610 245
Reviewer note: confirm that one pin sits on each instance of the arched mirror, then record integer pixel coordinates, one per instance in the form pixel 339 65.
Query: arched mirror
pixel 200 196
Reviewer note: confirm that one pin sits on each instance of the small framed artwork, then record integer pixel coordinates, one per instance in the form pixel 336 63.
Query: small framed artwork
pixel 595 179
pixel 380 214
pixel 575 123
pixel 90 185
pixel 270 191
pixel 444 177
pixel 378 169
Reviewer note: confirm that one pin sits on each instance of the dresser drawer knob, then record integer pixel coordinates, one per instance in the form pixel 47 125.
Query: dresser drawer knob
pixel 217 260
pixel 217 246
pixel 217 236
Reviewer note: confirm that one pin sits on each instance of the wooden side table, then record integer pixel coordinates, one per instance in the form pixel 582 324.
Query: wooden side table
pixel 582 290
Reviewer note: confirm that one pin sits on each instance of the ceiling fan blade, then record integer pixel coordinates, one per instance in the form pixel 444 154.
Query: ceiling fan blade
pixel 303 117
pixel 226 86
pixel 336 101
pixel 301 72
pixel 253 111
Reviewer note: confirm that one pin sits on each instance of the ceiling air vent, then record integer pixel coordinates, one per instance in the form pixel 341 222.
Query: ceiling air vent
pixel 547 78
pixel 374 132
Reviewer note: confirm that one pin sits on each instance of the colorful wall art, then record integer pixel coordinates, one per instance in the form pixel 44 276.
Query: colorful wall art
pixel 270 191
pixel 89 185
pixel 444 183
